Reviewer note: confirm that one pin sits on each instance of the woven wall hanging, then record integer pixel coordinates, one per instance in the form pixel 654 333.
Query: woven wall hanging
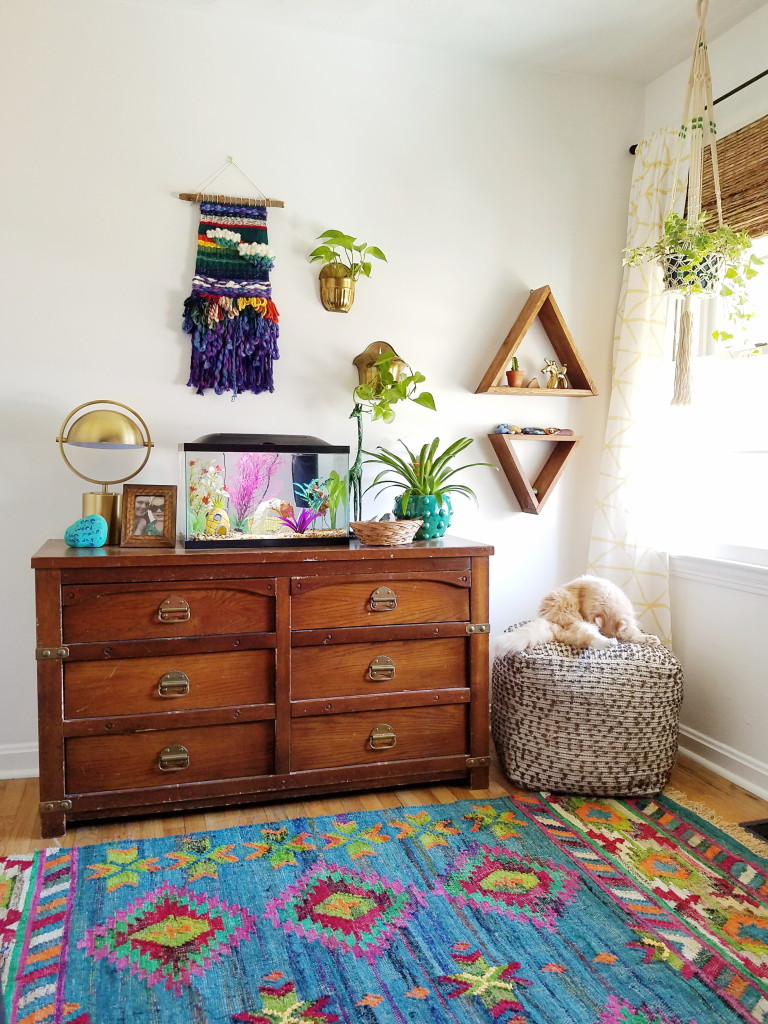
pixel 230 315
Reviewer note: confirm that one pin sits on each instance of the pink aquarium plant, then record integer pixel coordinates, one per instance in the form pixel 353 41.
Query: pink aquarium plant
pixel 252 485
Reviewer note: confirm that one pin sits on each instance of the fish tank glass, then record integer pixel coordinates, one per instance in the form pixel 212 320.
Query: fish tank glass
pixel 265 490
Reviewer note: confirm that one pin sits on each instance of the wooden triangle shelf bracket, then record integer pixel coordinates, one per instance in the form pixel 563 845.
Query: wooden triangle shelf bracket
pixel 531 497
pixel 540 304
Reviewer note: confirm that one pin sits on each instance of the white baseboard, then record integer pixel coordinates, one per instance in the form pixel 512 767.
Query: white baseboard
pixel 18 761
pixel 743 770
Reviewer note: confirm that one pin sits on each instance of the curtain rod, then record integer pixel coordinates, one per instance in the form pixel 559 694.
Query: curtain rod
pixel 725 96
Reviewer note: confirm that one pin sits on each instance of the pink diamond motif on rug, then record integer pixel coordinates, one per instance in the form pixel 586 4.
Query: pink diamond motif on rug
pixel 345 909
pixel 169 935
pixel 494 878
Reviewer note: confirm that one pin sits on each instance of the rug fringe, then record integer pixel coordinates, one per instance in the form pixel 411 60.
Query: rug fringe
pixel 741 835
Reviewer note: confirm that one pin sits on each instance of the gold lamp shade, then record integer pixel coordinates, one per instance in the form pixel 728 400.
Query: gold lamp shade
pixel 110 429
pixel 104 428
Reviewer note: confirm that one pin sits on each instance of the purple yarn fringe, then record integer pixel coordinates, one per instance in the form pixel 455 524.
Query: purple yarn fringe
pixel 235 355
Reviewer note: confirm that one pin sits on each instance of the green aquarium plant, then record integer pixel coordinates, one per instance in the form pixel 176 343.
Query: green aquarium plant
pixel 349 255
pixel 338 495
pixel 696 259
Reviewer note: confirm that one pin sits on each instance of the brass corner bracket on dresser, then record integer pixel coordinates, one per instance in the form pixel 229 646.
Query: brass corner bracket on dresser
pixel 172 679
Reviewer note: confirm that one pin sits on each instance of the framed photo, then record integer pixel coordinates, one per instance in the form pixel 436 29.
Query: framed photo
pixel 149 516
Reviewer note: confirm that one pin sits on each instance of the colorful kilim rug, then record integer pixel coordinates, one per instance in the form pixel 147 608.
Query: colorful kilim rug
pixel 539 910
pixel 230 313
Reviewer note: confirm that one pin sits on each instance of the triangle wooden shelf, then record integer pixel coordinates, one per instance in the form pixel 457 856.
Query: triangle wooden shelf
pixel 531 497
pixel 540 304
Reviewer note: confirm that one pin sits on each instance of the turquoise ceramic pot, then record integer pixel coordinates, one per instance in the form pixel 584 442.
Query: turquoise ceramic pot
pixel 437 518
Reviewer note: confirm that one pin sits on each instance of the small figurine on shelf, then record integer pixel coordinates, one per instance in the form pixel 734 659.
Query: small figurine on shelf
pixel 533 430
pixel 557 379
pixel 504 428
pixel 550 369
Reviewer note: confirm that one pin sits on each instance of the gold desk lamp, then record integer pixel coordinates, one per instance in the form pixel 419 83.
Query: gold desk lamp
pixel 105 428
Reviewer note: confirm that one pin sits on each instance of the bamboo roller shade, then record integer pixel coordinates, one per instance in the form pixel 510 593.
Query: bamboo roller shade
pixel 743 178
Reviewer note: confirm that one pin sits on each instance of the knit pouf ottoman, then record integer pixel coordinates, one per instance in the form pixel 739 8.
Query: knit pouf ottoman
pixel 596 722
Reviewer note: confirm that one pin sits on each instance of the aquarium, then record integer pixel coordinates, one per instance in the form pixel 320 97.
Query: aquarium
pixel 265 490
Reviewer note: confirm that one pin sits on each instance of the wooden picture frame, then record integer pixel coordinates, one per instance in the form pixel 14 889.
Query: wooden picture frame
pixel 149 516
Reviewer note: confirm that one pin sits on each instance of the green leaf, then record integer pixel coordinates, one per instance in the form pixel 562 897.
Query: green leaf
pixel 425 399
pixel 332 233
pixel 366 268
pixel 374 250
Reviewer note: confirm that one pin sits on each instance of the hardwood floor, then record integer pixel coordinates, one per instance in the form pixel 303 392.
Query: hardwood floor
pixel 20 830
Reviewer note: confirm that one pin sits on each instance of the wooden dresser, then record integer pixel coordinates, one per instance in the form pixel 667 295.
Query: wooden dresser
pixel 172 679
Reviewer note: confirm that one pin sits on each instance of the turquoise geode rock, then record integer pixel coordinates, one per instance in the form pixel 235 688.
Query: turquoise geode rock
pixel 437 517
pixel 88 532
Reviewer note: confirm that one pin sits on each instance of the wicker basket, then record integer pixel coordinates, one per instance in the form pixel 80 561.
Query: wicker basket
pixel 595 722
pixel 391 531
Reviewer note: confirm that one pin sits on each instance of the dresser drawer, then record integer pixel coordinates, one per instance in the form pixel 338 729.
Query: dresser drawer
pixel 138 686
pixel 386 667
pixel 335 740
pixel 141 611
pixel 132 760
pixel 322 602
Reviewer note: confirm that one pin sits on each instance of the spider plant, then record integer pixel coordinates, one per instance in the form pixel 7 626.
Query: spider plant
pixel 425 473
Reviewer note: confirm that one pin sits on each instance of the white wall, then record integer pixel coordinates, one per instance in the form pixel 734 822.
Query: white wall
pixel 480 182
pixel 719 610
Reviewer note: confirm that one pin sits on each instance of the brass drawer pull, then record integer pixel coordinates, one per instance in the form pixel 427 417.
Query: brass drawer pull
pixel 173 759
pixel 173 684
pixel 381 668
pixel 382 738
pixel 173 609
pixel 383 600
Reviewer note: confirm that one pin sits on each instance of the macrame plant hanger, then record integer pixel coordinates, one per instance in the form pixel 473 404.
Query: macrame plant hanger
pixel 698 121
pixel 230 314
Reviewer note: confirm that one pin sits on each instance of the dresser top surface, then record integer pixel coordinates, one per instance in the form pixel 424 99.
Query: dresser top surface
pixel 55 554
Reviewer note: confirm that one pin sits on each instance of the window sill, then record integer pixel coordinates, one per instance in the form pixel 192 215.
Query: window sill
pixel 721 572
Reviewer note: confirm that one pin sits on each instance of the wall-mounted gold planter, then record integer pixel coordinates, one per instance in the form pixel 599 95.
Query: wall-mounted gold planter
pixel 337 289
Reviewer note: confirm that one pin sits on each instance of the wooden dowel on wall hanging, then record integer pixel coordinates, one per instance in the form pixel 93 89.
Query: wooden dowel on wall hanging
pixel 207 197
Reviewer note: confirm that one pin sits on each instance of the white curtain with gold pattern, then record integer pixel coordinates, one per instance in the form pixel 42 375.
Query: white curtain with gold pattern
pixel 631 490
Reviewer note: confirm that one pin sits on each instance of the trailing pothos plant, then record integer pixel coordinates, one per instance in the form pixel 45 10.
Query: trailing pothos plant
pixel 696 253
pixel 385 389
pixel 429 472
pixel 377 398
pixel 346 252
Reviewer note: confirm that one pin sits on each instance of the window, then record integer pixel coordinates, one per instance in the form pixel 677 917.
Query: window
pixel 709 461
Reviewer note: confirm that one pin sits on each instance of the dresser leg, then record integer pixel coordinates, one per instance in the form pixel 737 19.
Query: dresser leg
pixel 53 824
pixel 479 778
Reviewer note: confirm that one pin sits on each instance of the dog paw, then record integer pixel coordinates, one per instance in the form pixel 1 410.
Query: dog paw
pixel 651 640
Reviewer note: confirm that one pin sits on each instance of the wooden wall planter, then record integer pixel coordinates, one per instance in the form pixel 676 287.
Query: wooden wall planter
pixel 542 305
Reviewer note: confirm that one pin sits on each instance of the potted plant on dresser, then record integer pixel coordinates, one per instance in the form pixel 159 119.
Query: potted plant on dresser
pixel 425 481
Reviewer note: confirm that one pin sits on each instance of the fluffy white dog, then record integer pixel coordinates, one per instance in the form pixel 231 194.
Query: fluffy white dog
pixel 587 612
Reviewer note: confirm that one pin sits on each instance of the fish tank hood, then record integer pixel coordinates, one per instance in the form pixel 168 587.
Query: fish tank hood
pixel 262 442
